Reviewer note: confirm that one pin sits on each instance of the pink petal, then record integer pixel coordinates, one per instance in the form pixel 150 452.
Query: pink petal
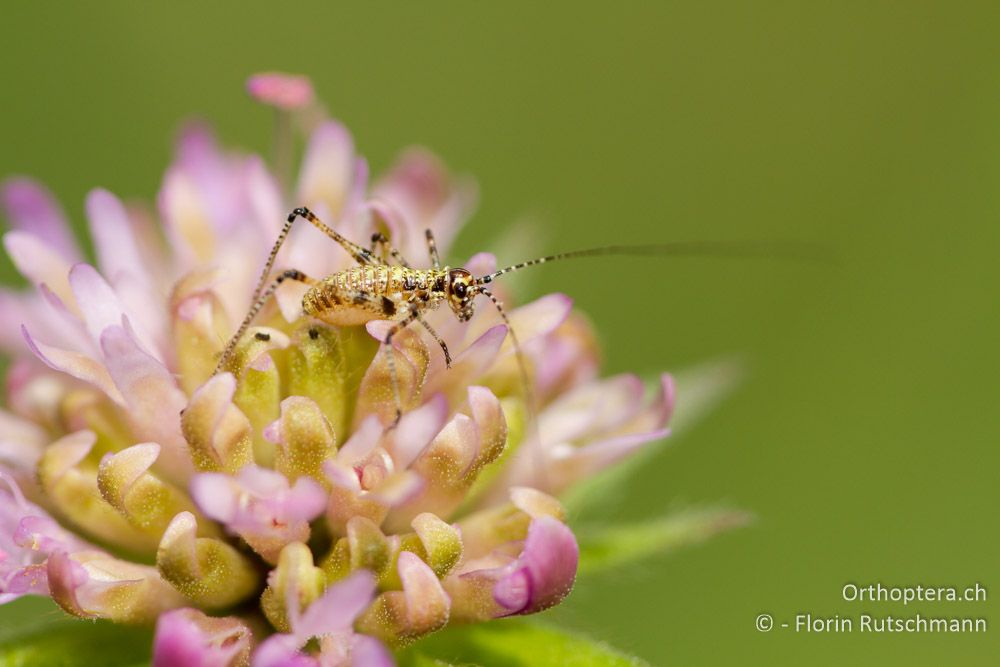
pixel 99 303
pixel 282 651
pixel 285 91
pixel 21 442
pixel 216 494
pixel 566 359
pixel 182 210
pixel 27 536
pixel 361 443
pixel 576 463
pixel 338 607
pixel 40 263
pixel 60 317
pixel 481 264
pixel 75 364
pixel 369 652
pixel 154 400
pixel 327 169
pixel 29 580
pixel 420 186
pixel 468 365
pixel 415 430
pixel 538 318
pixel 48 314
pixel 31 207
pixel 265 199
pixel 427 604
pixel 306 500
pixel 592 408
pixel 190 638
pixel 65 576
pixel 259 505
pixel 544 572
pixel 114 240
pixel 39 532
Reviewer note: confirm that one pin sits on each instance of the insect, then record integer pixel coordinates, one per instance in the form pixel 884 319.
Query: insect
pixel 375 289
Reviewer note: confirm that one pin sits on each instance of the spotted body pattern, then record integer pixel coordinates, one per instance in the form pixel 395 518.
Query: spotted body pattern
pixel 375 291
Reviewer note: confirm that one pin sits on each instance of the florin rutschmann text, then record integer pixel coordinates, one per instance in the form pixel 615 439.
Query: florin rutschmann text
pixel 932 616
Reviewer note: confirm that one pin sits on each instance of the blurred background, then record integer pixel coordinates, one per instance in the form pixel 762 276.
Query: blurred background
pixel 865 434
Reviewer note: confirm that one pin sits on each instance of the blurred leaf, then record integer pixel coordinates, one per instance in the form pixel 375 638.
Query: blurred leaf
pixel 513 643
pixel 603 548
pixel 34 631
pixel 699 390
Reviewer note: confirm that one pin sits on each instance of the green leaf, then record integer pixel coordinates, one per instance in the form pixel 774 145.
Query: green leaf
pixel 699 389
pixel 34 631
pixel 607 547
pixel 513 643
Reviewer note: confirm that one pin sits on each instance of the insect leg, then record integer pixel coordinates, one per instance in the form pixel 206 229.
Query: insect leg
pixel 379 240
pixel 432 249
pixel 434 334
pixel 361 255
pixel 396 328
pixel 259 301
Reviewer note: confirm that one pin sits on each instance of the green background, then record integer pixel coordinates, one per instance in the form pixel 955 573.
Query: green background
pixel 865 436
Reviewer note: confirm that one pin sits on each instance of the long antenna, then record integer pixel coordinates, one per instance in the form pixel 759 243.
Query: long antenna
pixel 531 415
pixel 727 249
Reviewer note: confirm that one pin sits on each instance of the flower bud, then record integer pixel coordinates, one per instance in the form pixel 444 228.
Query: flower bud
pixel 211 573
pixel 315 369
pixel 400 617
pixel 294 581
pixel 217 432
pixel 146 501
pixel 199 326
pixel 69 480
pixel 91 584
pixel 304 438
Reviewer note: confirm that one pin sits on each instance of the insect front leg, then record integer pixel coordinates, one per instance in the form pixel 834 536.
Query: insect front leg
pixel 260 300
pixel 436 337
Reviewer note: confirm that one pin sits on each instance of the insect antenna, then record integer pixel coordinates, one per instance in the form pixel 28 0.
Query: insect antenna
pixel 717 249
pixel 529 395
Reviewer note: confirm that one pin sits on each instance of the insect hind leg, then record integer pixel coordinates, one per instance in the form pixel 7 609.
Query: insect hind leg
pixel 260 299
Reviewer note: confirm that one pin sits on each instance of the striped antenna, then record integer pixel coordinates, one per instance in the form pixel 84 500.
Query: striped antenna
pixel 718 249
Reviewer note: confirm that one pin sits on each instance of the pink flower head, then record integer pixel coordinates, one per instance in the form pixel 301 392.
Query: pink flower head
pixel 285 91
pixel 280 491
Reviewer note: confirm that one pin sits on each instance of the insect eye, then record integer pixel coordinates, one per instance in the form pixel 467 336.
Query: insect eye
pixel 460 289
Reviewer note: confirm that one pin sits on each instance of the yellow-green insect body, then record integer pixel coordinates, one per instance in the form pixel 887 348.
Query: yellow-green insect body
pixel 375 291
